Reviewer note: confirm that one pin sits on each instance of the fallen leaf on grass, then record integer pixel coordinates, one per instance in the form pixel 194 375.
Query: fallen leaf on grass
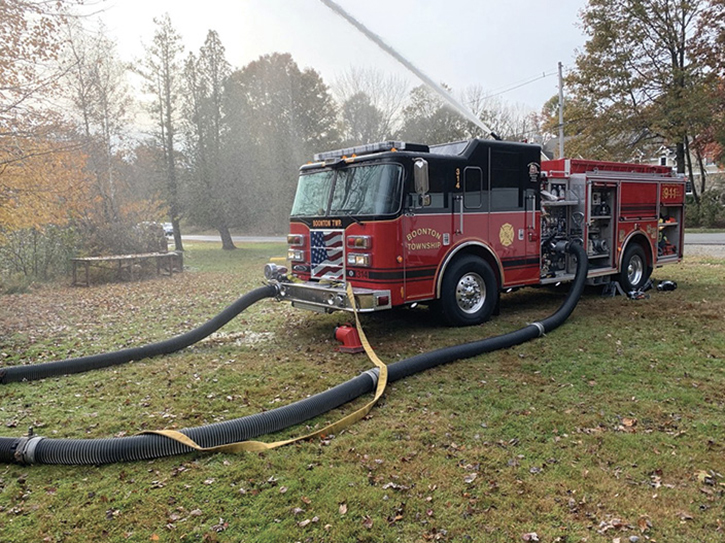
pixel 394 486
pixel 706 477
pixel 221 526
pixel 468 479
pixel 367 522
pixel 644 524
pixel 531 536
pixel 684 516
pixel 343 508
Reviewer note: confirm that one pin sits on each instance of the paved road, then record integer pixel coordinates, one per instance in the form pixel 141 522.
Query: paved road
pixel 705 239
pixel 690 239
pixel 237 239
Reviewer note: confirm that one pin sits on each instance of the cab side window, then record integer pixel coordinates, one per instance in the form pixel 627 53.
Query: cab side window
pixel 507 181
pixel 473 193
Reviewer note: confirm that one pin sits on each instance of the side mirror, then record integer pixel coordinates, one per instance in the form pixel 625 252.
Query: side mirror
pixel 420 176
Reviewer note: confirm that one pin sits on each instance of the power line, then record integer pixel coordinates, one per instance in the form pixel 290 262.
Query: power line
pixel 523 83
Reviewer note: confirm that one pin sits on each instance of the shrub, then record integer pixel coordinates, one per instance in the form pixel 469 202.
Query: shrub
pixel 36 254
pixel 123 238
pixel 709 214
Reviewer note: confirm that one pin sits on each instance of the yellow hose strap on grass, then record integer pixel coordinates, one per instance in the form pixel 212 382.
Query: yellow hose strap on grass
pixel 334 428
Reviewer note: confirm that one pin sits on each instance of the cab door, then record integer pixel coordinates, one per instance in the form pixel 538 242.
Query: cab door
pixel 426 233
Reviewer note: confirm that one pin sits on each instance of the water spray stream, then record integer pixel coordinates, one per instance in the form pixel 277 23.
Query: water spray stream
pixel 377 40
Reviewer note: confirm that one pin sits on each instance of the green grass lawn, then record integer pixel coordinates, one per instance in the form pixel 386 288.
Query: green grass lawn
pixel 610 427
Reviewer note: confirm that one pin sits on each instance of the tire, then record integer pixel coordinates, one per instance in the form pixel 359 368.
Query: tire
pixel 469 292
pixel 634 272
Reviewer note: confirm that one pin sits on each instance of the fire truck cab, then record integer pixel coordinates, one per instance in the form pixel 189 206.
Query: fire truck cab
pixel 453 225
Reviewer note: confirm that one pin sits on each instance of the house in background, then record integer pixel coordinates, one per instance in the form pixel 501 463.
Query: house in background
pixel 665 156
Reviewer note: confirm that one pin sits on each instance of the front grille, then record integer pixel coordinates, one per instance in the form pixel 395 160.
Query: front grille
pixel 327 252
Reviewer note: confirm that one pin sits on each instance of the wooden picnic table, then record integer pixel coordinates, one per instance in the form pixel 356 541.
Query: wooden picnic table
pixel 166 263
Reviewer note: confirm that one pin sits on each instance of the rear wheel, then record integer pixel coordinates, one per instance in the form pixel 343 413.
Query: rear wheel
pixel 635 271
pixel 469 292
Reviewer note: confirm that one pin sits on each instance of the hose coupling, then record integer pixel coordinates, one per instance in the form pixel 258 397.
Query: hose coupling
pixel 25 449
pixel 561 246
pixel 373 374
pixel 276 286
pixel 541 328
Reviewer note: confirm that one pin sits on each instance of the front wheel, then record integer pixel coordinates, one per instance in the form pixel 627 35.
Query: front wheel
pixel 634 272
pixel 469 292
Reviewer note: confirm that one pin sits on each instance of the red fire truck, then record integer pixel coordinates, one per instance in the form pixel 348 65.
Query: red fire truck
pixel 456 224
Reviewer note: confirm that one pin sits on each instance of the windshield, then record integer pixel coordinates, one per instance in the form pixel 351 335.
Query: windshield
pixel 359 190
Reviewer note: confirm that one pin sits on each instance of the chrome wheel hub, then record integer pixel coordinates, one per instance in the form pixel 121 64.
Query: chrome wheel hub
pixel 635 270
pixel 470 293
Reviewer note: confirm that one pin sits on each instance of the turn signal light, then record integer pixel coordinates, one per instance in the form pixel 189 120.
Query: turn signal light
pixel 295 255
pixel 359 242
pixel 295 240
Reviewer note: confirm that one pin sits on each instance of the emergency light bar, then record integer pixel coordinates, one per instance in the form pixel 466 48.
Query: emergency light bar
pixel 371 148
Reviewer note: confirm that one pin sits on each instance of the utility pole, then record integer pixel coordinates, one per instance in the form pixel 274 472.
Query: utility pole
pixel 561 112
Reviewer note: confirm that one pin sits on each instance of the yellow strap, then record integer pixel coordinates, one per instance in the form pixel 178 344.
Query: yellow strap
pixel 334 428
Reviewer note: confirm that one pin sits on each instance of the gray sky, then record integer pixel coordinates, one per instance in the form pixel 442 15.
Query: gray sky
pixel 493 43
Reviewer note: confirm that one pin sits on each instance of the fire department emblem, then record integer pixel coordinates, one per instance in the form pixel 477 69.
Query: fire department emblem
pixel 506 234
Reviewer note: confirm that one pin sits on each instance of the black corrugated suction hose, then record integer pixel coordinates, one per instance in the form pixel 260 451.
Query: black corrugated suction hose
pixel 36 449
pixel 32 372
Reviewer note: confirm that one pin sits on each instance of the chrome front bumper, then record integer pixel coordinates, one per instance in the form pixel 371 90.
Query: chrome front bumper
pixel 326 298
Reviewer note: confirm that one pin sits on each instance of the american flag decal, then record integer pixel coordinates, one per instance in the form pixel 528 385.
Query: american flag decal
pixel 327 254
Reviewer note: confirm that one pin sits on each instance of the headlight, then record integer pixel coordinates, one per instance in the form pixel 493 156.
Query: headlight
pixel 295 255
pixel 357 259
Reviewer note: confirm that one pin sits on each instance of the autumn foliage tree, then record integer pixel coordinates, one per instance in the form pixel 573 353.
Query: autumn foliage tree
pixel 32 148
pixel 43 176
pixel 640 78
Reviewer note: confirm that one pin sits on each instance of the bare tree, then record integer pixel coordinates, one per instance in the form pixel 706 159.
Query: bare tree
pixel 512 122
pixel 386 93
pixel 162 70
pixel 96 84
